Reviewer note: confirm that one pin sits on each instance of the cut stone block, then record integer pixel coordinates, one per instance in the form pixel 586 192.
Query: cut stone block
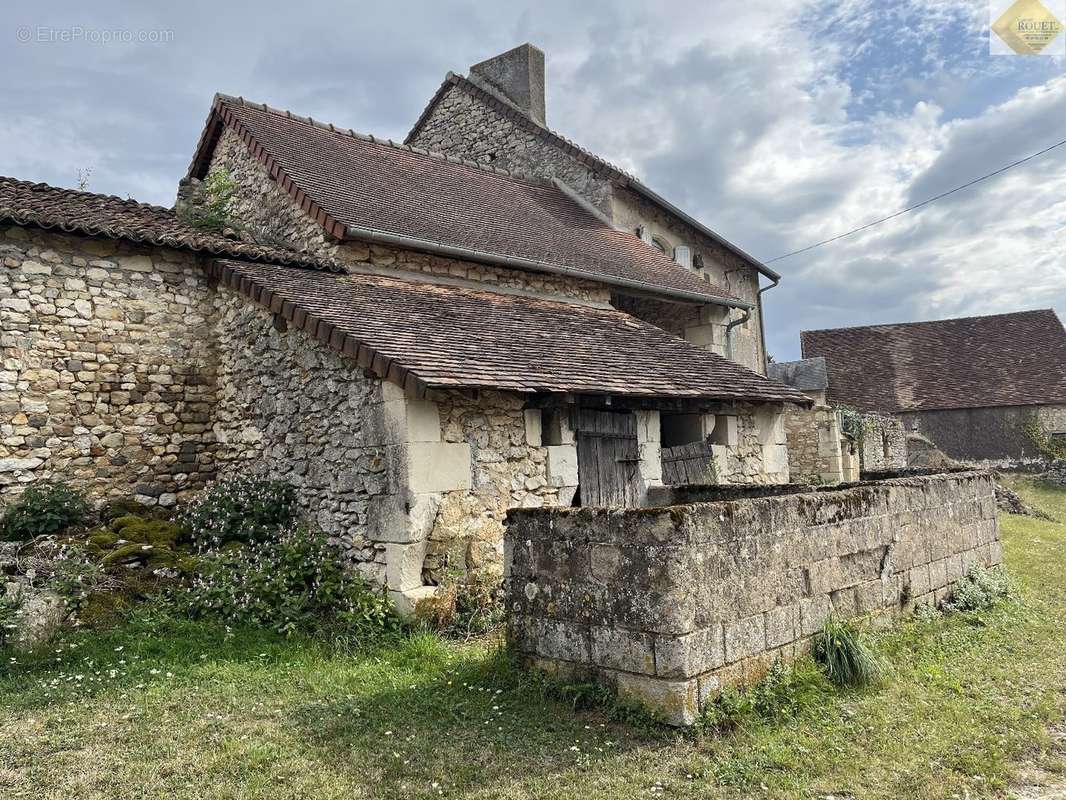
pixel 562 465
pixel 533 423
pixel 403 565
pixel 672 702
pixel 625 650
pixel 438 466
pixel 689 655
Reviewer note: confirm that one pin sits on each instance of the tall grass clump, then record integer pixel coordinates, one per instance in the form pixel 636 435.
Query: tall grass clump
pixel 848 660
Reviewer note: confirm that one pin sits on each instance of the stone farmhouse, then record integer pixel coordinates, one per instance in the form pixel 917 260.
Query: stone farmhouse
pixel 419 336
pixel 976 387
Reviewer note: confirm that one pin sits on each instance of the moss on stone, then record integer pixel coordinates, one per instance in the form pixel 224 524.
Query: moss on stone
pixel 132 541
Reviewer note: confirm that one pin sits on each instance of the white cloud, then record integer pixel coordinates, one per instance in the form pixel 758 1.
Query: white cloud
pixel 778 122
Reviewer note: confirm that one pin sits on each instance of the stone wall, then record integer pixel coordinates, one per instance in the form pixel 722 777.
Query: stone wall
pixel 989 437
pixel 509 469
pixel 290 408
pixel 667 604
pixel 882 443
pixel 818 451
pixel 758 454
pixel 107 377
pixel 464 126
pixel 265 212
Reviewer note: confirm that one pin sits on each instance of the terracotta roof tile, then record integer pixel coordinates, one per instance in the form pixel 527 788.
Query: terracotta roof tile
pixel 452 337
pixel 973 362
pixel 45 206
pixel 356 181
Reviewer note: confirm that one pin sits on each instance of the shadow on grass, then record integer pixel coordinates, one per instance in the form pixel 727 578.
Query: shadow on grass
pixel 476 722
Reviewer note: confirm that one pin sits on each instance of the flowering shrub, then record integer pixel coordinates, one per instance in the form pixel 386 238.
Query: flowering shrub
pixel 979 589
pixel 45 508
pixel 293 582
pixel 238 510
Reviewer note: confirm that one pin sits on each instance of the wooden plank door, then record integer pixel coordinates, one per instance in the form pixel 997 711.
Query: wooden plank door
pixel 688 464
pixel 607 458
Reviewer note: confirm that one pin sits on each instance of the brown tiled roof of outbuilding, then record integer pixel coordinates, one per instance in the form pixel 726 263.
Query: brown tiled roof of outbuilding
pixel 50 207
pixel 347 181
pixel 973 362
pixel 424 336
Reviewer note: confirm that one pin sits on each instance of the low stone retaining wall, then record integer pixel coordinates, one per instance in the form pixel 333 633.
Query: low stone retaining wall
pixel 665 604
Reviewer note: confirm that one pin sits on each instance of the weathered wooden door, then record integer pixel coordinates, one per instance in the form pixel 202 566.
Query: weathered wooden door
pixel 688 464
pixel 607 458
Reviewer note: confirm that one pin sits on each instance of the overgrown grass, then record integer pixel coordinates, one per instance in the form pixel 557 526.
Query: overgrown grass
pixel 164 707
pixel 842 650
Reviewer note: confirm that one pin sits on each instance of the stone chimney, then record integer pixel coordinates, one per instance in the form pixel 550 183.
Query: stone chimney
pixel 518 75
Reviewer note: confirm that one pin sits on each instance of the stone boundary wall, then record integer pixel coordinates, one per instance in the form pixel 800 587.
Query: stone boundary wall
pixel 667 604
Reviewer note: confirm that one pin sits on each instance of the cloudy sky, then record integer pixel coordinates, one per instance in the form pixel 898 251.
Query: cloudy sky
pixel 777 122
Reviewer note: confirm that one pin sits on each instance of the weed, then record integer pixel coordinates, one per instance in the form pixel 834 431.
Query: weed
pixel 980 589
pixel 45 508
pixel 847 658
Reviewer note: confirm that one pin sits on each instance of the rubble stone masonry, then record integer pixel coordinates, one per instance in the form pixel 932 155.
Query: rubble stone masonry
pixel 108 373
pixel 667 604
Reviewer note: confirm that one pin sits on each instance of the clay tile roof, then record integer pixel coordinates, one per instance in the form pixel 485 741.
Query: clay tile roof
pixel 973 362
pixel 348 181
pixel 579 153
pixel 44 206
pixel 424 335
pixel 806 374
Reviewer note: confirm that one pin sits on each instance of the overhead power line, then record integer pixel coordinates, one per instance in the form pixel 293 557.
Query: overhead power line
pixel 918 205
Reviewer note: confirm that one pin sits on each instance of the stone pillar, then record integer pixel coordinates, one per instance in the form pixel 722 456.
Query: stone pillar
pixel 422 468
pixel 561 452
pixel 649 450
pixel 709 334
pixel 770 430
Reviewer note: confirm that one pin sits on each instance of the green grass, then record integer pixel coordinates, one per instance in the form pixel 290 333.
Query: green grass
pixel 165 708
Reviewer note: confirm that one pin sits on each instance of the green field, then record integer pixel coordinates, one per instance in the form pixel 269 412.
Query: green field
pixel 165 708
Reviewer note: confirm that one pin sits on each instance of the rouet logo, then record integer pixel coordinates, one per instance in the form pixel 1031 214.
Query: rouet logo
pixel 1028 28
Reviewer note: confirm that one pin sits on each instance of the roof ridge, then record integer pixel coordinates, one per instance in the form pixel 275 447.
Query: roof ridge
pixel 221 97
pixel 127 201
pixel 932 321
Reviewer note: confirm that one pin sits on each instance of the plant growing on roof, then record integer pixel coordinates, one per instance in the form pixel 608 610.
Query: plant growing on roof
pixel 218 190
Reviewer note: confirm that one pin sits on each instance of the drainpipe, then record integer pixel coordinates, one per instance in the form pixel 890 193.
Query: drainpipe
pixel 776 279
pixel 729 331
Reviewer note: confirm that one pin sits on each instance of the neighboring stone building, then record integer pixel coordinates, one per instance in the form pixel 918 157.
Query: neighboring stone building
pixel 975 387
pixel 819 450
pixel 832 444
pixel 418 342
